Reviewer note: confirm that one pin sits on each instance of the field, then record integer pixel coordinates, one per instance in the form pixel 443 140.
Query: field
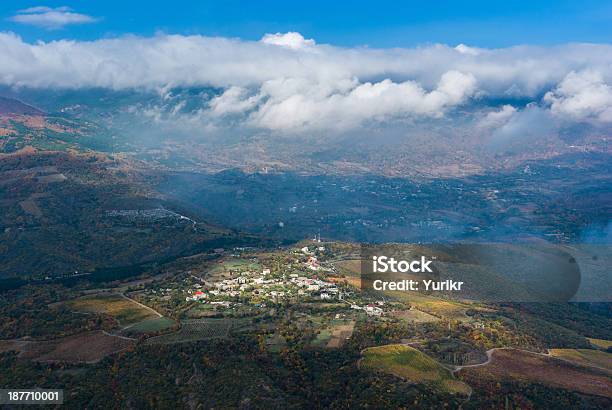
pixel 196 329
pixel 125 311
pixel 340 333
pixel 335 334
pixel 87 347
pixel 448 309
pixel 536 368
pixel 601 343
pixel 201 311
pixel 152 325
pixel 233 265
pixel 322 338
pixel 585 357
pixel 410 364
pixel 349 267
pixel 414 316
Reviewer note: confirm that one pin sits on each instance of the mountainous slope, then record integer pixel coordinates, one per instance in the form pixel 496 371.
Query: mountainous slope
pixel 62 214
pixel 16 107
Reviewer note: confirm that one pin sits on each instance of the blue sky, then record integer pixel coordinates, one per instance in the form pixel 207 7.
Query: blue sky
pixel 374 23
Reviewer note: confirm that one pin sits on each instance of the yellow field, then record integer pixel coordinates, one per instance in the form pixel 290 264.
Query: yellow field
pixel 447 309
pixel 585 357
pixel 411 364
pixel 415 316
pixel 123 310
pixel 600 343
pixel 352 281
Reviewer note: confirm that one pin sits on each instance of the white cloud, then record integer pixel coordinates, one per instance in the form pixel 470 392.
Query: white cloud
pixel 308 107
pixel 291 40
pixel 497 118
pixel 196 60
pixel 522 126
pixel 234 100
pixel 50 18
pixel 582 95
pixel 285 82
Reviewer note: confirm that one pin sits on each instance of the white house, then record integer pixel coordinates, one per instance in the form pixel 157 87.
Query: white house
pixel 372 310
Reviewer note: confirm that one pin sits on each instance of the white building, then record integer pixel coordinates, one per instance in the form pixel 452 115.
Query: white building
pixel 372 310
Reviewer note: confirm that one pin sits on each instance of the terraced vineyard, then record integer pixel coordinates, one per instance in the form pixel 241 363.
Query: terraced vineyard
pixel 196 329
pixel 156 324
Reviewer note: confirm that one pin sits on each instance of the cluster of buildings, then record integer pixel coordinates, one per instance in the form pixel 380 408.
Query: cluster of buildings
pixel 312 262
pixel 268 287
pixel 313 286
pixel 262 286
pixel 370 309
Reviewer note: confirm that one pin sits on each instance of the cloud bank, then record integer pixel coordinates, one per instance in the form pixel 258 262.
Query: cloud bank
pixel 288 83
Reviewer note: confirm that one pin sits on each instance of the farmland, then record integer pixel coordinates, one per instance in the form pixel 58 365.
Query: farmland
pixel 297 324
pixel 585 357
pixel 124 310
pixel 409 363
pixel 601 343
pixel 519 365
pixel 415 316
pixel 227 266
pixel 333 334
pixel 87 347
pixel 196 329
pixel 152 325
pixel 436 307
pixel 340 334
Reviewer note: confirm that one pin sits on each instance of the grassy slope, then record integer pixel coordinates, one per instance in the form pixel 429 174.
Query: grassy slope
pixel 411 364
pixel 125 311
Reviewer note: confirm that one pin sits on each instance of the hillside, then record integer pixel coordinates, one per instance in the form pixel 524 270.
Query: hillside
pixel 63 214
pixel 10 106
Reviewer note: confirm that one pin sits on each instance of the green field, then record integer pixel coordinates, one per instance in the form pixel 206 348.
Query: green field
pixel 334 334
pixel 322 338
pixel 411 364
pixel 152 325
pixel 196 329
pixel 235 264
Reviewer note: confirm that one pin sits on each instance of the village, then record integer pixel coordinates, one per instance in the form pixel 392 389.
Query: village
pixel 303 277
